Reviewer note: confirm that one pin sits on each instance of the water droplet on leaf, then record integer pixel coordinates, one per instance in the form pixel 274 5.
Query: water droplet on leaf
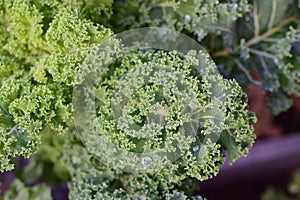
pixel 187 18
pixel 146 160
pixel 196 148
pixel 21 130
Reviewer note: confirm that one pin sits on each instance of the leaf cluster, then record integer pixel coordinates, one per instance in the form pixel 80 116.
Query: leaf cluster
pixel 244 38
pixel 145 101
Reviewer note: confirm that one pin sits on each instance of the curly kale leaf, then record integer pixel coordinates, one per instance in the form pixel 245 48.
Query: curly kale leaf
pixel 197 17
pixel 19 191
pixel 168 116
pixel 37 71
pixel 93 180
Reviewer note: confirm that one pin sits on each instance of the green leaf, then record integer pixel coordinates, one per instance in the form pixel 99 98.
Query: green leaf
pixel 19 191
pixel 278 102
pixel 271 12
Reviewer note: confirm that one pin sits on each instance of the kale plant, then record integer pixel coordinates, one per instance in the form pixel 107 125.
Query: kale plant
pixel 142 123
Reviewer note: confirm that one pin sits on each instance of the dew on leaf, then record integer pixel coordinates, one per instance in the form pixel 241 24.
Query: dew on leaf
pixel 146 160
pixel 195 148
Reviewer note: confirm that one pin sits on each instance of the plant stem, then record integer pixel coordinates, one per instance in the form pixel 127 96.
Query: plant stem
pixel 256 20
pixel 271 31
pixel 262 53
pixel 247 73
pixel 257 39
pixel 273 14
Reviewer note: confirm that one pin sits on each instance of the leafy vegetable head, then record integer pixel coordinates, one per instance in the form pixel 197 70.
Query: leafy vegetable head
pixel 163 116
